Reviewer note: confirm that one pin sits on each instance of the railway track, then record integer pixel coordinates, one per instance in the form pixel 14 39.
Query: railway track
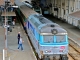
pixel 74 50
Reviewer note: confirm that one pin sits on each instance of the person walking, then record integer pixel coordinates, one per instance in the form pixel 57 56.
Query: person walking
pixel 20 43
pixel 18 36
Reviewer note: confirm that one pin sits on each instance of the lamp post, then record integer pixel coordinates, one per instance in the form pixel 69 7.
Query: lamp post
pixel 5 31
pixel 6 6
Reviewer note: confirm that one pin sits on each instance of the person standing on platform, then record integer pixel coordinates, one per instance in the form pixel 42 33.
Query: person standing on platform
pixel 13 23
pixel 18 36
pixel 20 43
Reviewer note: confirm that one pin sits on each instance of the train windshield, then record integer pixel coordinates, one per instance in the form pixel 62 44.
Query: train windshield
pixel 54 39
pixel 48 39
pixel 60 38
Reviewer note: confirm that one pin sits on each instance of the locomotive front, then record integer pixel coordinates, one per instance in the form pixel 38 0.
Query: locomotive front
pixel 53 41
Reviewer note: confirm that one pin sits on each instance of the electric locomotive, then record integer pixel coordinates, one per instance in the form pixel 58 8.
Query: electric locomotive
pixel 47 37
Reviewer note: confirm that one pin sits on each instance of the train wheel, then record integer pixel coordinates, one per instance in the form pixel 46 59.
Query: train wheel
pixel 64 57
pixel 38 59
pixel 46 58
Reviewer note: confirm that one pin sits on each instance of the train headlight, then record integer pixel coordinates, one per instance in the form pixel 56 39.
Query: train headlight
pixel 54 31
pixel 62 47
pixel 47 51
pixel 60 50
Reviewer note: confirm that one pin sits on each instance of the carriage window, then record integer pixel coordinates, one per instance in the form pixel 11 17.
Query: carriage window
pixel 48 39
pixel 61 38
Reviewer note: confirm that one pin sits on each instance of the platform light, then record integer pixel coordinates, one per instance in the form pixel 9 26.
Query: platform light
pixel 14 6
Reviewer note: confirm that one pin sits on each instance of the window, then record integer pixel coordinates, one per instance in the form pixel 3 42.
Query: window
pixel 34 22
pixel 48 39
pixel 61 38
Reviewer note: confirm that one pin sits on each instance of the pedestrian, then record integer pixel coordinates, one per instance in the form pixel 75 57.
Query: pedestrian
pixel 18 36
pixel 20 43
pixel 13 23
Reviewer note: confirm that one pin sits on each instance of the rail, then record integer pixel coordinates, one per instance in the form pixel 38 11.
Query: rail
pixel 74 50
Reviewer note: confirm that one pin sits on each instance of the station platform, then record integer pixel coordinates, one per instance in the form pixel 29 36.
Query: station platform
pixel 13 53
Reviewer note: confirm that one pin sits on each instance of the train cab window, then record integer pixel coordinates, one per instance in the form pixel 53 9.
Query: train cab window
pixel 60 39
pixel 48 39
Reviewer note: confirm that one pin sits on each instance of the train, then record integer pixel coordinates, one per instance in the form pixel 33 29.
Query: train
pixel 48 38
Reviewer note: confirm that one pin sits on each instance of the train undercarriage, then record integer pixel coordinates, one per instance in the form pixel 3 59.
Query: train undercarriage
pixel 54 57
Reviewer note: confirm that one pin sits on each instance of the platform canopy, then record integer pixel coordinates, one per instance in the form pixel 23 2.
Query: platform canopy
pixel 8 14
